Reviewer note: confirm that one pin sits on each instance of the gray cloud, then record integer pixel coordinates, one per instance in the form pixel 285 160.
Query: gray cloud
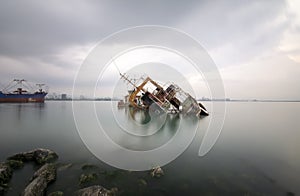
pixel 248 25
pixel 31 27
pixel 52 38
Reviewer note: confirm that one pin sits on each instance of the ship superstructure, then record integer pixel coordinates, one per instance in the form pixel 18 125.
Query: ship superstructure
pixel 169 97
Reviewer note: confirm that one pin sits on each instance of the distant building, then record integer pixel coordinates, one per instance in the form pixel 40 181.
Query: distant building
pixel 63 96
pixel 81 97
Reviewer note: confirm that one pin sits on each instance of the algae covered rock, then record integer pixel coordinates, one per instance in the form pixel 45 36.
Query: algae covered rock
pixel 47 171
pixel 5 173
pixel 56 193
pixel 36 187
pixel 15 164
pixel 39 156
pixel 89 167
pixel 142 182
pixel 86 178
pixel 157 172
pixel 5 176
pixel 40 180
pixel 64 166
pixel 96 190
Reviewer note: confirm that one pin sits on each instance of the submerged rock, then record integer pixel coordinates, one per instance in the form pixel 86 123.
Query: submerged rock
pixel 40 180
pixel 5 176
pixel 112 175
pixel 157 172
pixel 97 190
pixel 86 178
pixel 56 193
pixel 89 166
pixel 64 166
pixel 142 182
pixel 40 156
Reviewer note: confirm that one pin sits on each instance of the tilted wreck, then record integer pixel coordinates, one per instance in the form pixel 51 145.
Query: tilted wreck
pixel 170 98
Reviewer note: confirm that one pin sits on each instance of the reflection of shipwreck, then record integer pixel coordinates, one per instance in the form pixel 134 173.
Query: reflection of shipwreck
pixel 171 99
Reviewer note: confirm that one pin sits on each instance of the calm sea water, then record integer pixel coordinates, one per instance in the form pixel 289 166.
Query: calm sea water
pixel 257 152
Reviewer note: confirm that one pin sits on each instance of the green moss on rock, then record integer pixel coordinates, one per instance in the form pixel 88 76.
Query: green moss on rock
pixel 5 173
pixel 15 164
pixel 56 193
pixel 39 155
pixel 89 166
pixel 86 178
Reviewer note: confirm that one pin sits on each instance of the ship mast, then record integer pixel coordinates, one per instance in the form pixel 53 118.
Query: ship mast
pixel 40 87
pixel 124 76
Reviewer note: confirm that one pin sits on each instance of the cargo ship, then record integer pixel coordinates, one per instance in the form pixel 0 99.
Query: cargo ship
pixel 20 91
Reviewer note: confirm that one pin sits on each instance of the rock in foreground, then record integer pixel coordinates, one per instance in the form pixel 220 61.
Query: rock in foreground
pixel 97 191
pixel 5 176
pixel 86 178
pixel 40 156
pixel 157 172
pixel 40 181
pixel 5 173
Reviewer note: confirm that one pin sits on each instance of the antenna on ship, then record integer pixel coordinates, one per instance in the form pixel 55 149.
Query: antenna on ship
pixel 117 67
pixel 123 75
pixel 8 86
pixel 40 87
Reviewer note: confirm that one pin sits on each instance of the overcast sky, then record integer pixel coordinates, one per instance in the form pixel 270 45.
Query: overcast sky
pixel 255 44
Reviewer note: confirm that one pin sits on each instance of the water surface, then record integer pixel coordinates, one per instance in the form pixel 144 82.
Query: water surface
pixel 257 152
